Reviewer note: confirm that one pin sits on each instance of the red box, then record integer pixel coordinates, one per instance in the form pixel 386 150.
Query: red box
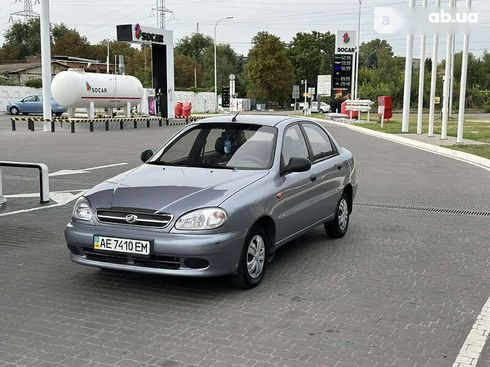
pixel 387 103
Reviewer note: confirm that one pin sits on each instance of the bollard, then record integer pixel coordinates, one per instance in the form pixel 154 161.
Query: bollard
pixel 91 126
pixel 52 126
pixel 107 125
pixel 13 124
pixel 148 123
pixel 160 122
pixel 73 127
pixel 121 125
pixel 135 124
pixel 32 125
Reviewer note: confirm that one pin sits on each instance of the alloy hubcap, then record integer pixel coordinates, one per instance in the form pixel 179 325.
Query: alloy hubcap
pixel 343 214
pixel 255 256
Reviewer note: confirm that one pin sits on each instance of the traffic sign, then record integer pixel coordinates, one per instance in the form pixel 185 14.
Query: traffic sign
pixel 295 94
pixel 311 90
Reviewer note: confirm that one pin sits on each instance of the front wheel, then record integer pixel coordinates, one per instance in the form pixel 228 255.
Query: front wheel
pixel 253 261
pixel 14 110
pixel 338 227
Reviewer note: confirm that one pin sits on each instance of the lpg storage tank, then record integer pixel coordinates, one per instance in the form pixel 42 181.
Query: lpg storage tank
pixel 77 89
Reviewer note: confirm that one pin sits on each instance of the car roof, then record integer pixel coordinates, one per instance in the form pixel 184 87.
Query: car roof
pixel 265 120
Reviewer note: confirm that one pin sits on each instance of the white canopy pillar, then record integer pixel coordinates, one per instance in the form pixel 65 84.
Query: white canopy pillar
pixel 420 114
pixel 433 79
pixel 408 78
pixel 462 93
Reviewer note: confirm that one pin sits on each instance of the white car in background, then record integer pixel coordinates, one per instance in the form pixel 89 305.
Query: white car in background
pixel 324 108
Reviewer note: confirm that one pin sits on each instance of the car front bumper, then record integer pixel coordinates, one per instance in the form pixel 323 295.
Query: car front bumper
pixel 182 254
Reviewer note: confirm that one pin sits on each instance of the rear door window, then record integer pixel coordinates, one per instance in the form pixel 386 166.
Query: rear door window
pixel 321 146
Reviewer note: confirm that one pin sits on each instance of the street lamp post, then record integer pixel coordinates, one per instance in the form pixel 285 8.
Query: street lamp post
pixel 215 66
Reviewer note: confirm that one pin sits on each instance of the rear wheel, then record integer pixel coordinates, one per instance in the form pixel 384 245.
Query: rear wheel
pixel 14 110
pixel 253 261
pixel 58 113
pixel 338 227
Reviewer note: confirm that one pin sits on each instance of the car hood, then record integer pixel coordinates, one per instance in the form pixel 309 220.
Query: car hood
pixel 171 189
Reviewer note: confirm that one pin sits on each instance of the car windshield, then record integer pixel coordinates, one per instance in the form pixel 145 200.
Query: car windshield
pixel 225 146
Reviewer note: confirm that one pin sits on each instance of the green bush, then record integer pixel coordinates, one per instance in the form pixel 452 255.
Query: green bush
pixel 5 81
pixel 34 83
pixel 486 107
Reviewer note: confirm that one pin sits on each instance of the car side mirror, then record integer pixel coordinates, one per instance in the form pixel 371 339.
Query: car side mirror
pixel 147 154
pixel 297 165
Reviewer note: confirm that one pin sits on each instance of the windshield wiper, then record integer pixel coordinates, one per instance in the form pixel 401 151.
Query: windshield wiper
pixel 217 166
pixel 160 163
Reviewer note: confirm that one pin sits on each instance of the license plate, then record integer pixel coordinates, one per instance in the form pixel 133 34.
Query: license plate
pixel 125 245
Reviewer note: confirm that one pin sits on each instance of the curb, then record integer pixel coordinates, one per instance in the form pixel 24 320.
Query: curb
pixel 454 154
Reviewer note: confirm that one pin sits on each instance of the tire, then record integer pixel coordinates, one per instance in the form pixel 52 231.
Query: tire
pixel 58 113
pixel 14 110
pixel 244 278
pixel 338 227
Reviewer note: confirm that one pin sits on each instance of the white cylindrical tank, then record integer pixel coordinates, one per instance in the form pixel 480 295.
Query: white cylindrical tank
pixel 76 89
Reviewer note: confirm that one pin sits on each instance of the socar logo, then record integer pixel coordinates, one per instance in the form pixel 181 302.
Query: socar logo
pixel 137 31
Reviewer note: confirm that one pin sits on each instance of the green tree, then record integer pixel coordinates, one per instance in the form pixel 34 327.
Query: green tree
pixel 269 69
pixel 68 42
pixel 226 64
pixel 374 52
pixel 184 67
pixel 194 46
pixel 312 54
pixel 23 39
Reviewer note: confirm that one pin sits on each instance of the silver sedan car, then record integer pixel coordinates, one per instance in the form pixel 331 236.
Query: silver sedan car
pixel 219 198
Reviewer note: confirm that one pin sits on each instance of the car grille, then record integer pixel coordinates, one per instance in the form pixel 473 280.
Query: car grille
pixel 153 261
pixel 165 262
pixel 140 217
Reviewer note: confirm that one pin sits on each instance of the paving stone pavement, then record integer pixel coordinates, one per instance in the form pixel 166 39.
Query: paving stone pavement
pixel 401 289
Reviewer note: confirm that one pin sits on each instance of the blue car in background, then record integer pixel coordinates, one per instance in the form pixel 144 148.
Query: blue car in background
pixel 34 104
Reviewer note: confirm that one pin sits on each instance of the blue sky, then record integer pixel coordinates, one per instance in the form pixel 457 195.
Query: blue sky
pixel 97 19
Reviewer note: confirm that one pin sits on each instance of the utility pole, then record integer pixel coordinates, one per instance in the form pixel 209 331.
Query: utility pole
pixel 161 11
pixel 28 13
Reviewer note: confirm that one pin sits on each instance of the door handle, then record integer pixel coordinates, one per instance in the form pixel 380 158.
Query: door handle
pixel 313 178
pixel 339 166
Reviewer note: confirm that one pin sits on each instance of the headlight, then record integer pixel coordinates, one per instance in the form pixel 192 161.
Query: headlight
pixel 82 209
pixel 208 218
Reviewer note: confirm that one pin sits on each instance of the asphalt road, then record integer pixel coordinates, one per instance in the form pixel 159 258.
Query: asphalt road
pixel 403 288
